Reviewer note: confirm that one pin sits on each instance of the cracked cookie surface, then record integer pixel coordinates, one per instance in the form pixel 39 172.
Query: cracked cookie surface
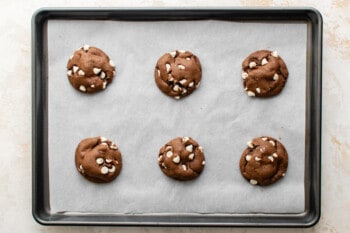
pixel 264 74
pixel 181 158
pixel 98 159
pixel 264 161
pixel 90 70
pixel 178 73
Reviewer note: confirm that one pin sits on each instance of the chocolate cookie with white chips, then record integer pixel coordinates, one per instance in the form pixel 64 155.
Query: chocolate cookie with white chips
pixel 181 158
pixel 264 74
pixel 98 159
pixel 178 73
pixel 264 161
pixel 90 70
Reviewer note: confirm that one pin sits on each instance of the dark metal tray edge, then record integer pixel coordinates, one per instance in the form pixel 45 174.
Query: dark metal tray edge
pixel 40 190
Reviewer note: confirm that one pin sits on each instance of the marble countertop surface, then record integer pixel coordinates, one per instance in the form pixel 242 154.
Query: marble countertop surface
pixel 15 113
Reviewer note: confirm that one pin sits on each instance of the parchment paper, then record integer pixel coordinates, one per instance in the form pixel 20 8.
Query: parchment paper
pixel 133 113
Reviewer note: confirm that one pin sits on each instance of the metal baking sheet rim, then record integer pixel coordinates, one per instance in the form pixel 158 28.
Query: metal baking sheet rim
pixel 40 187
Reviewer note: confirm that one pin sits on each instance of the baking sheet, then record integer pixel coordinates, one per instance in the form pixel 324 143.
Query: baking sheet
pixel 140 119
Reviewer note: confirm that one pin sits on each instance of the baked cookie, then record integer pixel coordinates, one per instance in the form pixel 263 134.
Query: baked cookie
pixel 178 73
pixel 264 74
pixel 181 158
pixel 90 69
pixel 98 159
pixel 264 161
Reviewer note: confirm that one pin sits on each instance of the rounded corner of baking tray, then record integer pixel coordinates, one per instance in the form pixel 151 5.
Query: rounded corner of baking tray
pixel 312 218
pixel 315 15
pixel 41 216
pixel 40 15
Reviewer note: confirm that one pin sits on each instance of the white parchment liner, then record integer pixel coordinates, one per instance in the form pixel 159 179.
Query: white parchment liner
pixel 133 113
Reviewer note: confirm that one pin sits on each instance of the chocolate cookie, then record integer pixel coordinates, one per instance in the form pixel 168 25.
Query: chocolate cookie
pixel 178 73
pixel 98 159
pixel 90 69
pixel 264 74
pixel 181 158
pixel 264 161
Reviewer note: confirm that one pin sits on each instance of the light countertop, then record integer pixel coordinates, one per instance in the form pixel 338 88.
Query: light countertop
pixel 15 113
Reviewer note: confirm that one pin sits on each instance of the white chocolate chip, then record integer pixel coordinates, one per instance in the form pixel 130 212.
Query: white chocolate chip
pixel 188 58
pixel 81 167
pixel 191 156
pixel 168 148
pixel 270 158
pixel 160 158
pixel 71 57
pixel 92 85
pixel 274 53
pixel 257 158
pixel 283 174
pixel 158 71
pixel 264 62
pixel 252 64
pixel 103 139
pixel 257 90
pixel 191 84
pixel 199 83
pixel 104 84
pixel 104 144
pixel 244 75
pixel 185 139
pixel 182 51
pixel 173 53
pixel 181 67
pixel 112 169
pixel 81 72
pixel 253 182
pixel 184 167
pixel 82 88
pixel 171 79
pixel 248 157
pixel 203 163
pixel 169 154
pixel 86 47
pixel 104 170
pixel 177 97
pixel 113 146
pixel 75 69
pixel 275 155
pixel 272 142
pixel 250 93
pixel 176 88
pixel 176 159
pixel 264 139
pixel 103 75
pixel 99 161
pixel 183 81
pixel 168 68
pixel 108 160
pixel 111 63
pixel 189 148
pixel 184 91
pixel 275 77
pixel 69 72
pixel 200 149
pixel 250 144
pixel 96 70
